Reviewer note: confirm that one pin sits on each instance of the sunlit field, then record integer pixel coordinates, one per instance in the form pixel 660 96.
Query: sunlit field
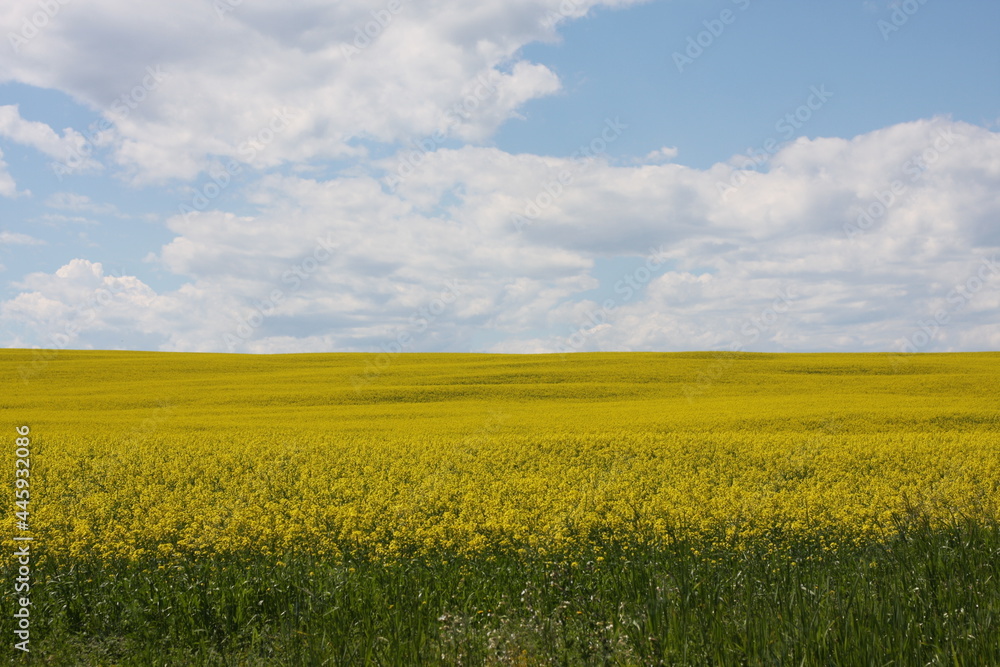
pixel 622 509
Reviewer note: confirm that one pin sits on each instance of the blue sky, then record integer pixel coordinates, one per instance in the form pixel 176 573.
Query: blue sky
pixel 945 61
pixel 268 181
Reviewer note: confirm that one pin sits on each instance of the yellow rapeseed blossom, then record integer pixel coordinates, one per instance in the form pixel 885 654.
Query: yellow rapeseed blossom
pixel 154 455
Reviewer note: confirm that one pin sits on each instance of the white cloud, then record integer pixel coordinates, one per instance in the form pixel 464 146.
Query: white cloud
pixel 665 154
pixel 69 201
pixel 8 188
pixel 69 149
pixel 783 260
pixel 222 78
pixel 834 243
pixel 80 305
pixel 59 219
pixel 14 238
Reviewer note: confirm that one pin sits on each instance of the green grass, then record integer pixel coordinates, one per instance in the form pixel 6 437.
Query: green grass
pixel 928 597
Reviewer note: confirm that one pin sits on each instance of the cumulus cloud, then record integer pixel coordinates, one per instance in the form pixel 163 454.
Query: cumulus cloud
pixel 80 305
pixel 206 80
pixel 836 244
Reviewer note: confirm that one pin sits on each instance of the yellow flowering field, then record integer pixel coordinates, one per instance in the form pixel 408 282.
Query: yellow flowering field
pixel 179 455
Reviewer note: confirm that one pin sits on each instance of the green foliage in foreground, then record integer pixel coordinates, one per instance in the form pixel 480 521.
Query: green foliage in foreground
pixel 928 597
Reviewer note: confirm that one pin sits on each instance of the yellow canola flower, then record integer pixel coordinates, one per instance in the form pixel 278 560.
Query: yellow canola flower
pixel 466 454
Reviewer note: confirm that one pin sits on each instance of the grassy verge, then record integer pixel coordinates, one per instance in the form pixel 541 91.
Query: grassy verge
pixel 924 597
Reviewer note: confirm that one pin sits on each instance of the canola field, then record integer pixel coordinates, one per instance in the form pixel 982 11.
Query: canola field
pixel 620 508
